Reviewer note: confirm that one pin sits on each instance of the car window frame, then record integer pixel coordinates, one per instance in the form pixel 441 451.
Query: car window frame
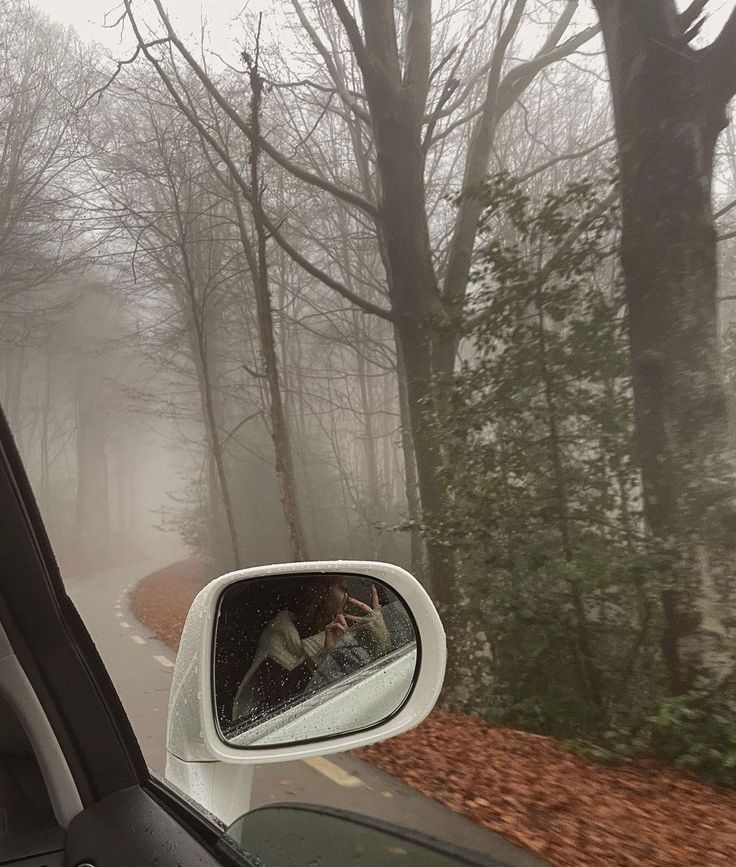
pixel 59 657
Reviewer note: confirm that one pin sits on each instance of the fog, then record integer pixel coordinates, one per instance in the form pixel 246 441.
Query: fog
pixel 105 405
pixel 285 284
pixel 133 360
pixel 171 389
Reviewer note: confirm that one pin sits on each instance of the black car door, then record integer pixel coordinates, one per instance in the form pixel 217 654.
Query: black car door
pixel 100 806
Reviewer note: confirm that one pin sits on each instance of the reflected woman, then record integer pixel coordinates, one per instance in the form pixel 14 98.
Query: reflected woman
pixel 294 644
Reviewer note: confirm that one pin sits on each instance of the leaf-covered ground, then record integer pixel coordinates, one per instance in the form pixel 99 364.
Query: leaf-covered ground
pixel 528 788
pixel 162 600
pixel 568 810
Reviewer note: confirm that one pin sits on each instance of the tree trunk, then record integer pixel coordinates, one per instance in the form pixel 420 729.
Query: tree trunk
pixel 669 105
pixel 44 457
pixel 397 105
pixel 582 645
pixel 15 365
pixel 373 498
pixel 210 416
pixel 92 519
pixel 390 472
pixel 259 266
pixel 418 564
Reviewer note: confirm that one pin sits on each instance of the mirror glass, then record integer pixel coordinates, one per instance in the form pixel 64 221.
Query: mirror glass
pixel 306 656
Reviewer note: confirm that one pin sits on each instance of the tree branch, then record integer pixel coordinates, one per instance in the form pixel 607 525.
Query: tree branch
pixel 120 64
pixel 419 51
pixel 724 210
pixel 248 418
pixel 352 30
pixel 244 187
pixel 447 91
pixel 720 57
pixel 501 94
pixel 382 65
pixel 452 83
pixel 561 25
pixel 693 12
pixel 562 157
pixel 256 374
pixel 343 91
pixel 516 81
pixel 279 158
pixel 325 278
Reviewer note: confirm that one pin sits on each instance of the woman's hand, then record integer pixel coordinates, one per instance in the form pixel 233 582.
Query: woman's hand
pixel 335 632
pixel 363 606
pixel 371 620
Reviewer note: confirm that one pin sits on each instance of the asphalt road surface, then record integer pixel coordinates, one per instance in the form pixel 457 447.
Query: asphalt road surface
pixel 141 668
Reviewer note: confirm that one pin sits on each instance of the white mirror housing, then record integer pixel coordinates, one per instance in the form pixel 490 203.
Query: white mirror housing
pixel 192 730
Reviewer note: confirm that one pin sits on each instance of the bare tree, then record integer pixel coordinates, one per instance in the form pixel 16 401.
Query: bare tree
pixel 258 264
pixel 394 56
pixel 44 70
pixel 156 181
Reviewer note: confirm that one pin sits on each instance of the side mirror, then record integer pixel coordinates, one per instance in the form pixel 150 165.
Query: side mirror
pixel 303 659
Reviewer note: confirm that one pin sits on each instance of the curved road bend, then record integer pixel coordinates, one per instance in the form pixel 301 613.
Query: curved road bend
pixel 141 667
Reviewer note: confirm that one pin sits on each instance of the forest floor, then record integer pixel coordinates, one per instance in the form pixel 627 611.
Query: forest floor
pixel 526 787
pixel 161 601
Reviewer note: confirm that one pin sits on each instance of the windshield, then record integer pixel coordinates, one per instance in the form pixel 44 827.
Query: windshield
pixel 447 284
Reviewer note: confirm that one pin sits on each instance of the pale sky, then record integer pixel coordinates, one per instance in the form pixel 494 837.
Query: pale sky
pixel 88 16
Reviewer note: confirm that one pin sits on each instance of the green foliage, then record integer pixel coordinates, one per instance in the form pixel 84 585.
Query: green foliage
pixel 537 438
pixel 556 626
pixel 696 732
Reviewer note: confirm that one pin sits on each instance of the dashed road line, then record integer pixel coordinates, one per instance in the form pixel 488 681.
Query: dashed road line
pixel 164 661
pixel 333 772
pixel 168 665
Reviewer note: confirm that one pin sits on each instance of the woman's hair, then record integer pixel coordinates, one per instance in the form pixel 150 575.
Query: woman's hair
pixel 312 613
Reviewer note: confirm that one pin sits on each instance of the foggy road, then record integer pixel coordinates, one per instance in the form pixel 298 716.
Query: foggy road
pixel 141 668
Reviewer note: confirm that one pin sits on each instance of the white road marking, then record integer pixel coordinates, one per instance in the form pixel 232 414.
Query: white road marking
pixel 118 613
pixel 124 624
pixel 138 639
pixel 164 661
pixel 333 772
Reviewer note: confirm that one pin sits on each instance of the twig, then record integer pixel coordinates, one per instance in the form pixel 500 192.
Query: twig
pixel 120 64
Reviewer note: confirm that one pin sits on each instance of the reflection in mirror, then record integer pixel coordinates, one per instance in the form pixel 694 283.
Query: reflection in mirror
pixel 303 657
